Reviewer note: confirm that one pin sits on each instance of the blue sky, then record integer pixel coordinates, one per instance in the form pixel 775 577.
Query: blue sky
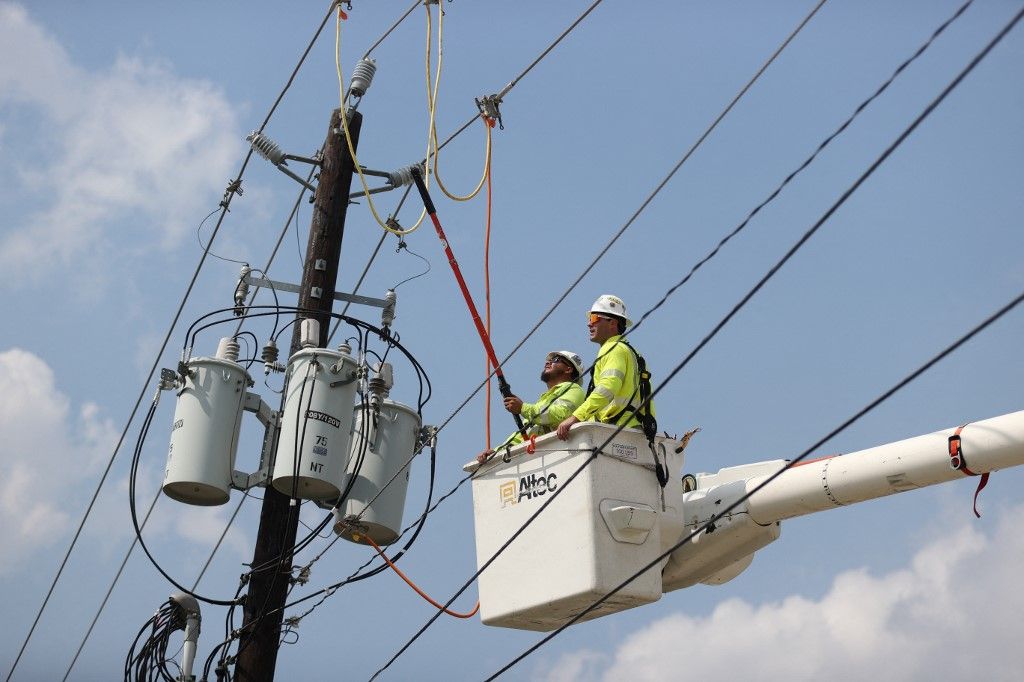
pixel 121 124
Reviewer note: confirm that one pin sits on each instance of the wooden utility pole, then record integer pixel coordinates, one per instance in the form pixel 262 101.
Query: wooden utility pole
pixel 279 519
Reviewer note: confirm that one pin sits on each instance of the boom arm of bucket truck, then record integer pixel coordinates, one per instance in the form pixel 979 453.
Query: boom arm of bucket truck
pixel 614 519
pixel 727 546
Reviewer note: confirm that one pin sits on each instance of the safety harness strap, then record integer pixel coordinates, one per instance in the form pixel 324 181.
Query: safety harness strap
pixel 958 462
pixel 648 422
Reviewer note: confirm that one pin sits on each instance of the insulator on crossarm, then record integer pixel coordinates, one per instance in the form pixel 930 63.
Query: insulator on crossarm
pixel 402 176
pixel 362 77
pixel 266 148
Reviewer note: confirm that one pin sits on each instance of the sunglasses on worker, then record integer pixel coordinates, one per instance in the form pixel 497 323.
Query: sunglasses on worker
pixel 594 318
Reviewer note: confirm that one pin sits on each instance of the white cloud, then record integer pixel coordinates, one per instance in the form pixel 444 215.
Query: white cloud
pixel 51 461
pixel 44 453
pixel 138 152
pixel 952 614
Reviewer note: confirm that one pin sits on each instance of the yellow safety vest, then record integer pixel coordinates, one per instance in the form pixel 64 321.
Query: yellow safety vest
pixel 554 405
pixel 616 386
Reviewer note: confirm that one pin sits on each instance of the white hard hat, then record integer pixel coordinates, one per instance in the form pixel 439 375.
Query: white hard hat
pixel 611 305
pixel 570 357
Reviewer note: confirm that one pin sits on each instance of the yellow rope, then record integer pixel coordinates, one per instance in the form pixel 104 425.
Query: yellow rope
pixel 351 148
pixel 432 145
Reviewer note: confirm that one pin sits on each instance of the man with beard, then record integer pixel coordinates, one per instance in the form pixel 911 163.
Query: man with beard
pixel 562 371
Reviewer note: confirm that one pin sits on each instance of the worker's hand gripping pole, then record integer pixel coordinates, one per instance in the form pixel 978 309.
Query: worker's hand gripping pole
pixel 503 386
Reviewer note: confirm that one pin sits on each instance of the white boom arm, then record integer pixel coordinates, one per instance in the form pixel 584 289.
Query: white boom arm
pixel 724 550
pixel 841 480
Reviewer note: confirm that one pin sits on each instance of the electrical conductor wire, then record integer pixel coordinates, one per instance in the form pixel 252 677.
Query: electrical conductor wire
pixel 195 275
pixel 799 458
pixel 725 320
pixel 661 185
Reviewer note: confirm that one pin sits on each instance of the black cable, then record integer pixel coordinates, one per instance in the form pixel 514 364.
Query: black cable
pixel 806 453
pixel 746 298
pixel 356 575
pixel 132 479
pixel 771 197
pixel 380 40
pixel 174 321
pixel 752 213
pixel 661 185
pixel 110 589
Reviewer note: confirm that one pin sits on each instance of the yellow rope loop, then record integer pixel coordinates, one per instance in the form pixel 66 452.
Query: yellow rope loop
pixel 348 139
pixel 432 146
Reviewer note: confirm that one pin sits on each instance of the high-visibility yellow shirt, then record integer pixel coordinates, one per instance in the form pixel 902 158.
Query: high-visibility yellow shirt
pixel 554 405
pixel 616 386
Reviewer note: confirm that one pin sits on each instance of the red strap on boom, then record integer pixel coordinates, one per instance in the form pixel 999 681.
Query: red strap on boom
pixel 957 461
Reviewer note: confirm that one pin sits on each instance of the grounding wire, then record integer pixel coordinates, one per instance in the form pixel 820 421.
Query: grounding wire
pixel 736 308
pixel 789 465
pixel 636 214
pixel 142 393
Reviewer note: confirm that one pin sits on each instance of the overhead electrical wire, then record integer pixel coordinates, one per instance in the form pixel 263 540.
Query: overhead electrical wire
pixel 138 402
pixel 400 19
pixel 787 180
pixel 689 153
pixel 714 124
pixel 636 214
pixel 265 269
pixel 794 462
pixel 513 84
pixel 736 308
pixel 209 559
pixel 110 590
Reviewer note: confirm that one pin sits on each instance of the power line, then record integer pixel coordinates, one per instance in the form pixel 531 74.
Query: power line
pixel 723 513
pixel 736 308
pixel 636 214
pixel 238 508
pixel 229 194
pixel 692 149
pixel 110 590
pixel 400 19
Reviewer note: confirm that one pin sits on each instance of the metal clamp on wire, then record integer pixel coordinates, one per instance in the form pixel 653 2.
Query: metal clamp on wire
pixel 489 108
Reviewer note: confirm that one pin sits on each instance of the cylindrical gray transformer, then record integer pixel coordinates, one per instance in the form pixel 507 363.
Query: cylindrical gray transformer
pixel 316 425
pixel 389 444
pixel 204 438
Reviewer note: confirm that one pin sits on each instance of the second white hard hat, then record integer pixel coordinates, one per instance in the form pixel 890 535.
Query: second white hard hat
pixel 570 357
pixel 611 305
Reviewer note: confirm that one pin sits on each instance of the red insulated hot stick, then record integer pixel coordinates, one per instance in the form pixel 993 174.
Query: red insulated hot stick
pixel 503 386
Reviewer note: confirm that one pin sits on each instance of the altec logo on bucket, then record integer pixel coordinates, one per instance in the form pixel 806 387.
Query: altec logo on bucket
pixel 529 487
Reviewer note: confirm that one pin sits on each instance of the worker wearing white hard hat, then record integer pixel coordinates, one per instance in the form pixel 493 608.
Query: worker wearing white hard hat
pixel 561 374
pixel 615 395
